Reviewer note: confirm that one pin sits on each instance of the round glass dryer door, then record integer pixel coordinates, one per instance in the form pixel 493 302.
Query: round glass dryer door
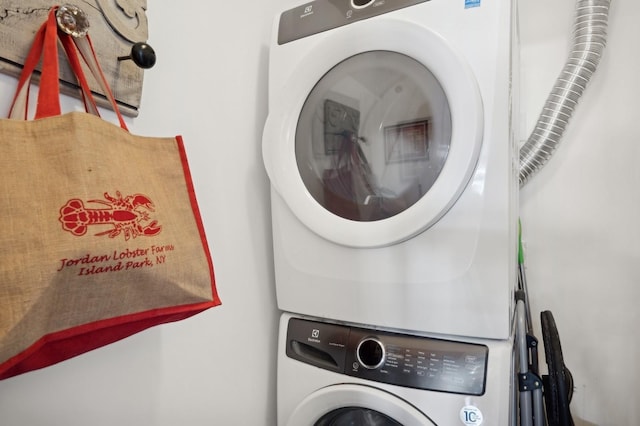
pixel 373 136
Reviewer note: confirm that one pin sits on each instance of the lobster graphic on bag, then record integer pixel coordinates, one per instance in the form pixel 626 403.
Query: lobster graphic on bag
pixel 127 215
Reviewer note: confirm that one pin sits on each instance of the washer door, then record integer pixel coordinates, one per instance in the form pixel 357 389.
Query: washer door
pixel 344 405
pixel 377 134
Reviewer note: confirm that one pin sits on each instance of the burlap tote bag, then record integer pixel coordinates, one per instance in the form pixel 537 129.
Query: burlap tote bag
pixel 101 234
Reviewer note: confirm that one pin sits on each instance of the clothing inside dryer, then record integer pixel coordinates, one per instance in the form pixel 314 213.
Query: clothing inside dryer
pixel 356 416
pixel 373 136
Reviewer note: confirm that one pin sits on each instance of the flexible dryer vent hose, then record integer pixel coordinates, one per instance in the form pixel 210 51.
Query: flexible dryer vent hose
pixel 589 40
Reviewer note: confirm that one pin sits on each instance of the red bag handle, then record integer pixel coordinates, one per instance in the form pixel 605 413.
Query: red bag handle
pixel 89 102
pixel 88 53
pixel 20 100
pixel 45 45
pixel 49 103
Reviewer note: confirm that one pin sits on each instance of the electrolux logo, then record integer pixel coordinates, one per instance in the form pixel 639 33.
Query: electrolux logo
pixel 315 336
pixel 308 10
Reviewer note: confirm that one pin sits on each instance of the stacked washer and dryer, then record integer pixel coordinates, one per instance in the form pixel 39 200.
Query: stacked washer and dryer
pixel 391 149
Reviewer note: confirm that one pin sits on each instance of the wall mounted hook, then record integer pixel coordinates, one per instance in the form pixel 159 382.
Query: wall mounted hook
pixel 72 20
pixel 141 54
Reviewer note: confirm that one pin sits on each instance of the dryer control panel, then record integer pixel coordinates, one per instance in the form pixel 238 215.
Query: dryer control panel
pixel 323 15
pixel 393 358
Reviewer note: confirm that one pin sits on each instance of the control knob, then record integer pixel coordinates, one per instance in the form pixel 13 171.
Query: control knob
pixel 371 353
pixel 361 3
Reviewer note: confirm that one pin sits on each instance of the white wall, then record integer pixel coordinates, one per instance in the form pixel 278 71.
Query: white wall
pixel 218 368
pixel 579 214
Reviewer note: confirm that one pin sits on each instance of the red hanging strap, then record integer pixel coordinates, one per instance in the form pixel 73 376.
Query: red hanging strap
pixel 49 94
pixel 72 56
pixel 20 100
pixel 45 45
pixel 88 53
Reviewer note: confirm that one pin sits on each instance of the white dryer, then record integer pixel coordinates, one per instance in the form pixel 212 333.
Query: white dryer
pixel 390 149
pixel 332 374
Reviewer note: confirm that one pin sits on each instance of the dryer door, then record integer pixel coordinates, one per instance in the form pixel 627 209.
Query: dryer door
pixel 343 405
pixel 377 135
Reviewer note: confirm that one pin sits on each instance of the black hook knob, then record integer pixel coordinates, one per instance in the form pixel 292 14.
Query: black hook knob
pixel 142 55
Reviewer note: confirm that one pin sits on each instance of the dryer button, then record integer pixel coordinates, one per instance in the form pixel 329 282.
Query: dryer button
pixel 371 353
pixel 361 3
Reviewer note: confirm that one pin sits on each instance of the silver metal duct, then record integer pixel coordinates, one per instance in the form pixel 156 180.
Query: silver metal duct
pixel 589 40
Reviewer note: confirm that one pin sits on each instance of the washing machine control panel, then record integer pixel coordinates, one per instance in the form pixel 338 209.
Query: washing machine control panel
pixel 322 15
pixel 393 358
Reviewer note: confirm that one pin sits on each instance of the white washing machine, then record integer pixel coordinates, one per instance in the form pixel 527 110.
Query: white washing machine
pixel 332 374
pixel 390 149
